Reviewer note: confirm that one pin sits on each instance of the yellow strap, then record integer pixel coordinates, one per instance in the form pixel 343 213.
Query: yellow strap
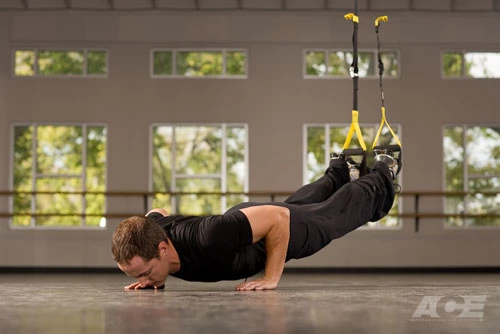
pixel 352 17
pixel 382 122
pixel 380 18
pixel 354 127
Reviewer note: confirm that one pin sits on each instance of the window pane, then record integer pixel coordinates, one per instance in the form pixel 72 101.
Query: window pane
pixel 96 62
pixel 25 62
pixel 58 203
pixel 315 159
pixel 199 63
pixel 51 62
pixel 236 167
pixel 315 63
pixel 482 64
pixel 480 204
pixel 162 62
pixel 366 64
pixel 162 158
pixel 23 173
pixel 163 201
pixel 235 62
pixel 96 158
pixel 483 150
pixel 339 63
pixel 95 204
pixel 198 204
pixel 95 174
pixel 59 150
pixel 452 64
pixel 23 158
pixel 453 161
pixel 391 64
pixel 198 150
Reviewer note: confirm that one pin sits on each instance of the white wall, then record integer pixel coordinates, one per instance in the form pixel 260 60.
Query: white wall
pixel 275 102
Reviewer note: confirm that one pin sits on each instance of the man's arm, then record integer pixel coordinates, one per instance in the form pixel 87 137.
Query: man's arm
pixel 271 223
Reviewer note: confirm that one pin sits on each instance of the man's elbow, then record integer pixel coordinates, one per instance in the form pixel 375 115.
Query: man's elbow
pixel 284 216
pixel 161 211
pixel 283 219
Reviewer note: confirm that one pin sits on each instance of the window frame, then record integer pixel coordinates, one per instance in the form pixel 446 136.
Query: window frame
pixel 36 73
pixel 223 176
pixel 465 177
pixel 33 226
pixel 204 77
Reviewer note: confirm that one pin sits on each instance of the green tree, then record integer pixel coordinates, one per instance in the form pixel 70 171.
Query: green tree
pixel 96 62
pixel 55 62
pixel 24 63
pixel 235 63
pixel 199 63
pixel 315 63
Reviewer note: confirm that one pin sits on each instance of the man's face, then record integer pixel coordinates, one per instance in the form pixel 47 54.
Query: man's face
pixel 151 273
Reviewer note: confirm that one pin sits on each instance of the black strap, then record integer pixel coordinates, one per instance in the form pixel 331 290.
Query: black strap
pixel 354 64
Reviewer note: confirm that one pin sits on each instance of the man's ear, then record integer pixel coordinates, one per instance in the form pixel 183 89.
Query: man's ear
pixel 162 247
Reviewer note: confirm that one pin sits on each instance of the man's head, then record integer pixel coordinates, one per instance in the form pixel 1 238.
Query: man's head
pixel 139 247
pixel 137 236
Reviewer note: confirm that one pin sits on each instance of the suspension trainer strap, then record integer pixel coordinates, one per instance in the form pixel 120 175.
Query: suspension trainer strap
pixel 354 128
pixel 379 55
pixel 383 121
pixel 354 70
pixel 354 74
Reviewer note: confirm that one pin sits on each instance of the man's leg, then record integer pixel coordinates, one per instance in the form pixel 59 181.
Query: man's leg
pixel 336 175
pixel 367 199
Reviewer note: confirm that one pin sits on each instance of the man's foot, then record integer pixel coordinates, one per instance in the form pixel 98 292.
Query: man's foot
pixel 387 157
pixel 353 166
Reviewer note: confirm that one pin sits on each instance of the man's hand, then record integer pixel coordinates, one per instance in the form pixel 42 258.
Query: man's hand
pixel 260 284
pixel 137 286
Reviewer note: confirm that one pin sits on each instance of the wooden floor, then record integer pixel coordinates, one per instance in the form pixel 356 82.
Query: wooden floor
pixel 303 303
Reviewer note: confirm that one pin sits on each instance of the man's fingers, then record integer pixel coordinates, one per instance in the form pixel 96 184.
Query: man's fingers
pixel 132 286
pixel 256 285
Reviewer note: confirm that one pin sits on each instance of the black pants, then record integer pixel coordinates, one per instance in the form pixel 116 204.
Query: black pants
pixel 332 206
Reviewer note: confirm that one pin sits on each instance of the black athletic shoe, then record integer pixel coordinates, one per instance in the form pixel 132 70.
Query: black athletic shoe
pixel 354 167
pixel 388 158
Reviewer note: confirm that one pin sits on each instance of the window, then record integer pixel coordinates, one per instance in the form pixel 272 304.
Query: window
pixel 472 164
pixel 323 139
pixel 471 64
pixel 50 62
pixel 57 163
pixel 337 63
pixel 196 64
pixel 195 159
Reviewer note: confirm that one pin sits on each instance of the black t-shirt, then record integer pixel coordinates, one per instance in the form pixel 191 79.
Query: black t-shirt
pixel 214 248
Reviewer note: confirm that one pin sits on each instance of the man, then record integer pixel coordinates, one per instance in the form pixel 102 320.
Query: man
pixel 252 237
